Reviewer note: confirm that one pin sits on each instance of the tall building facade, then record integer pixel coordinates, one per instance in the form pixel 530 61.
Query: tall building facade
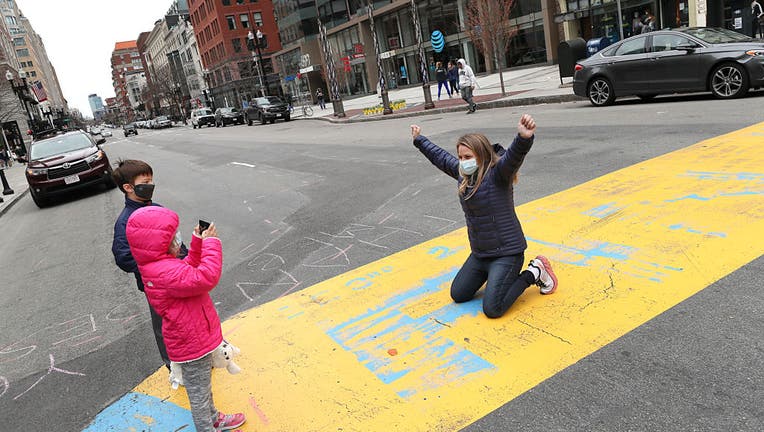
pixel 231 69
pixel 125 61
pixel 96 106
pixel 22 49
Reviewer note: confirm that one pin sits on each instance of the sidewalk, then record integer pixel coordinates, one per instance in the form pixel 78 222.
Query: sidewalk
pixel 524 86
pixel 17 182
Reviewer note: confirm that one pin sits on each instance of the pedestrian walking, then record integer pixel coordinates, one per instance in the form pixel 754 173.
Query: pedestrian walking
pixel 453 77
pixel 320 97
pixel 467 84
pixel 179 291
pixel 441 75
pixel 757 23
pixel 135 179
pixel 486 175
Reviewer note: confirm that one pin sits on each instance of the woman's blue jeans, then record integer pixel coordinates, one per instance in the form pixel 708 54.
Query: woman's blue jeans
pixel 502 278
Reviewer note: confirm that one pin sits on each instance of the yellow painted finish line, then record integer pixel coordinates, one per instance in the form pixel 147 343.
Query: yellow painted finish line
pixel 383 347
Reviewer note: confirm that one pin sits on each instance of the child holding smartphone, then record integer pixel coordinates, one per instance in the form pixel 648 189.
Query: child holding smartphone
pixel 179 291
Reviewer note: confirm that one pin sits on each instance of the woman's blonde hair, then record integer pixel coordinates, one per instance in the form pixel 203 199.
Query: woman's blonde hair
pixel 486 158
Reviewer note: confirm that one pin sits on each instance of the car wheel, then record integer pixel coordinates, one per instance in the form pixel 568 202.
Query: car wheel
pixel 600 92
pixel 273 120
pixel 648 97
pixel 38 200
pixel 729 80
pixel 287 118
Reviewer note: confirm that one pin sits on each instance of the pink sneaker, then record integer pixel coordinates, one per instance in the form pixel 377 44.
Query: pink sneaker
pixel 547 280
pixel 229 421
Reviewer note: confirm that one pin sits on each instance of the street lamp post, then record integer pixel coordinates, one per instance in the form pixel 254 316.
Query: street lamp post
pixel 210 100
pixel 255 45
pixel 21 91
pixel 422 61
pixel 6 188
pixel 382 82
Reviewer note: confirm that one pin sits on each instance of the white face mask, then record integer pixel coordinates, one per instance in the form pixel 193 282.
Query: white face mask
pixel 468 166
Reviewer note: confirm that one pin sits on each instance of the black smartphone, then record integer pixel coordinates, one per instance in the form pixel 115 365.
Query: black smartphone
pixel 203 225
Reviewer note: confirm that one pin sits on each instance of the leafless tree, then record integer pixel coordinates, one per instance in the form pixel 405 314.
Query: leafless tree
pixel 489 29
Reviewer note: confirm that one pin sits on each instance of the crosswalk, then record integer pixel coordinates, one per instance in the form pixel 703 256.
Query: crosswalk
pixel 383 347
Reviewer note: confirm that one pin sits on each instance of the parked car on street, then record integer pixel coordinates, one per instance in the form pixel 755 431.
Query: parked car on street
pixel 228 115
pixel 106 132
pixel 267 109
pixel 129 129
pixel 162 122
pixel 65 162
pixel 201 117
pixel 697 59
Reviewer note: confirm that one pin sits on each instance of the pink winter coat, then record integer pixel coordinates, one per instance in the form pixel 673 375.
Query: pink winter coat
pixel 178 289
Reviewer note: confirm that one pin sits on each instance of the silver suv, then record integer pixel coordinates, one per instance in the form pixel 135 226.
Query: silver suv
pixel 201 117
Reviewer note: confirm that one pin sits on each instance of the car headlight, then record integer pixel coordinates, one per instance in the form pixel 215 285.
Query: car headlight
pixel 94 157
pixel 37 171
pixel 754 53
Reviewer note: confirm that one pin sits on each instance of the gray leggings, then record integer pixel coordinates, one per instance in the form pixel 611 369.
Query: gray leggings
pixel 197 377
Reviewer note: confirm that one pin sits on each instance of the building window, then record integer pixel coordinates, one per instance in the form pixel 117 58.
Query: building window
pixel 236 43
pixel 22 52
pixel 33 74
pixel 226 2
pixel 231 22
pixel 244 18
pixel 18 41
pixel 258 17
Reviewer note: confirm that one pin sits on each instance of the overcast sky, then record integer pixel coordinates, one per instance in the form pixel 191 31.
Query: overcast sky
pixel 79 36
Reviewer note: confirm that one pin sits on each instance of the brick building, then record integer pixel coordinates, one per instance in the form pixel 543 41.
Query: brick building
pixel 125 62
pixel 221 28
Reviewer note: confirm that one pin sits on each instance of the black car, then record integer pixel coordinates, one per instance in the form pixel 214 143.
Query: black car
pixel 129 129
pixel 267 109
pixel 62 163
pixel 228 115
pixel 697 59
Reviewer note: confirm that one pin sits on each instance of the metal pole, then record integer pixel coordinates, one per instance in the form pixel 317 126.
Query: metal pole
pixel 260 62
pixel 422 62
pixel 334 89
pixel 620 20
pixel 382 84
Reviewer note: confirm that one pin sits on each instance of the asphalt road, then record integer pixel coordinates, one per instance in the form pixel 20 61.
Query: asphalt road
pixel 76 332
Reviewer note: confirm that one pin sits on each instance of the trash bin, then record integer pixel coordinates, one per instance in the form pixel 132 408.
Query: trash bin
pixel 595 45
pixel 568 53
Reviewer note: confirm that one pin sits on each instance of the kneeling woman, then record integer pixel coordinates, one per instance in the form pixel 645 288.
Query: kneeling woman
pixel 486 174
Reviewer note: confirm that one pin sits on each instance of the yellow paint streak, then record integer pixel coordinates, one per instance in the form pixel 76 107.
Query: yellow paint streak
pixel 664 231
pixel 148 421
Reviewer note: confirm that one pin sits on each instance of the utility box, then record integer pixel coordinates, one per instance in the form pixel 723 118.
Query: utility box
pixel 568 53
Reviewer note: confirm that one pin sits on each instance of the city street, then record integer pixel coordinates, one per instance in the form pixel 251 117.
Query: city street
pixel 287 197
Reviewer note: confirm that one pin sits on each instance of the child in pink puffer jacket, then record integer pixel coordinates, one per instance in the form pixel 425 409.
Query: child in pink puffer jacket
pixel 178 290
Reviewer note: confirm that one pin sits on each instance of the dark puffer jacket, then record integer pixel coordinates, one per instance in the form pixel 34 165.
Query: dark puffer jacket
pixel 492 223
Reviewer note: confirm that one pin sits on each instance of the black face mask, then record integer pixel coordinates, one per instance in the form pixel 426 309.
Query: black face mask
pixel 144 191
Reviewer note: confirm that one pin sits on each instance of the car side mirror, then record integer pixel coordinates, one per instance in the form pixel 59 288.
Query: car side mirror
pixel 100 140
pixel 686 47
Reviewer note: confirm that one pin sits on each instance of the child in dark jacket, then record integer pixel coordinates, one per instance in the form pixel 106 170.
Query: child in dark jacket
pixel 135 179
pixel 486 175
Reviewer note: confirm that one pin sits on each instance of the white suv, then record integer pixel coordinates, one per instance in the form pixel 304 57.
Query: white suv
pixel 201 117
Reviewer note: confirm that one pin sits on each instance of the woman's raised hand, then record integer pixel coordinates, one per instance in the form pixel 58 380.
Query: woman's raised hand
pixel 527 126
pixel 415 131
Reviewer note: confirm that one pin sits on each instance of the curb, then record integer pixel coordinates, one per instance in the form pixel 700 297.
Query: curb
pixel 502 103
pixel 15 198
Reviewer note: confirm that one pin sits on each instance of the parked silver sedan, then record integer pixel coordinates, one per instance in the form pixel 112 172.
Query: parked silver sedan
pixel 697 59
